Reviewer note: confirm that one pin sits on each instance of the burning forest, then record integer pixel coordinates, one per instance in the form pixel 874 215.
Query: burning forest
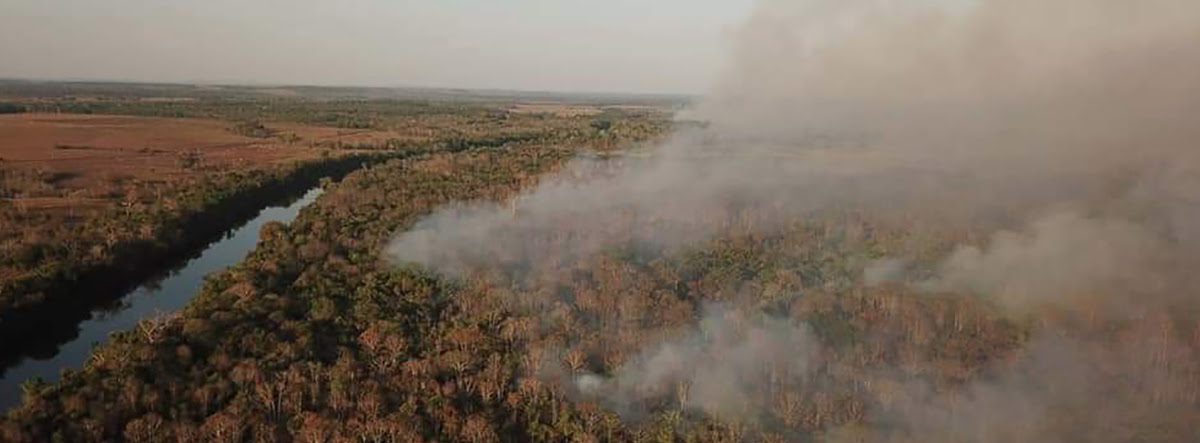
pixel 887 221
pixel 902 221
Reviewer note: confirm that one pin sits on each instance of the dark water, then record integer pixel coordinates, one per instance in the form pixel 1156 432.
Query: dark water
pixel 166 294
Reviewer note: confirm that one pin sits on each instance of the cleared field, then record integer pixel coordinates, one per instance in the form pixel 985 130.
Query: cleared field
pixel 82 151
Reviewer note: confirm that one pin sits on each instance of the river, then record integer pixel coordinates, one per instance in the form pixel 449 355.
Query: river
pixel 162 295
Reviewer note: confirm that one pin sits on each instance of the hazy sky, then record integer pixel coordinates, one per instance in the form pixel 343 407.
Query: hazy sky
pixel 570 45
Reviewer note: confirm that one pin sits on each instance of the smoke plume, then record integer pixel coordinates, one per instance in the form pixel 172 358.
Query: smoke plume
pixel 1066 129
pixel 721 367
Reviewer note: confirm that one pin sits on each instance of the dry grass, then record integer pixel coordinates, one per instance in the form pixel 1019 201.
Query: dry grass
pixel 86 151
pixel 71 164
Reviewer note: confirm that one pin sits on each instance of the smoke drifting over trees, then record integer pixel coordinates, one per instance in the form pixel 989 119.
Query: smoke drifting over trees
pixel 1012 108
pixel 721 367
pixel 1062 134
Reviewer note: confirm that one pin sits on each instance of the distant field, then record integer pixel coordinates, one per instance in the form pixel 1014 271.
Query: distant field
pixel 65 140
pixel 85 150
pixel 79 191
pixel 75 161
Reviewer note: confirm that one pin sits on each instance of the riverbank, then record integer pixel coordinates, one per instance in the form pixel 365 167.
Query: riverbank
pixel 156 298
pixel 66 293
pixel 298 304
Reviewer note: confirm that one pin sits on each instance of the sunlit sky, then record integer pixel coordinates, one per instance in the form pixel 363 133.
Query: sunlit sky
pixel 665 46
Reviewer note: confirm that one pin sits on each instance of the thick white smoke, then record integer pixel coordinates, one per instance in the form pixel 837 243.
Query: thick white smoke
pixel 985 111
pixel 717 368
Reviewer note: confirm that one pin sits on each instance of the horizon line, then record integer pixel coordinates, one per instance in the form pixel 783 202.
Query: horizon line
pixel 281 85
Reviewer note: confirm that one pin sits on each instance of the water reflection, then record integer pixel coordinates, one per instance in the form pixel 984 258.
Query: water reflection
pixel 156 296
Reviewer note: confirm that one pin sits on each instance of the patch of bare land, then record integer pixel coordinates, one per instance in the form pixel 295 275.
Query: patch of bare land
pixel 88 144
pixel 88 152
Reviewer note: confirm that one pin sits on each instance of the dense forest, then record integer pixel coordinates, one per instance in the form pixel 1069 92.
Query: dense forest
pixel 285 309
pixel 316 337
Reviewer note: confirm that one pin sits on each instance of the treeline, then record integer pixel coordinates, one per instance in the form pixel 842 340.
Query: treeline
pixel 350 114
pixel 448 144
pixel 470 119
pixel 11 108
pixel 410 123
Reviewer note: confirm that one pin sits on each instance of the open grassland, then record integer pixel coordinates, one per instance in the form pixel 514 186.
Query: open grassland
pixel 88 155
